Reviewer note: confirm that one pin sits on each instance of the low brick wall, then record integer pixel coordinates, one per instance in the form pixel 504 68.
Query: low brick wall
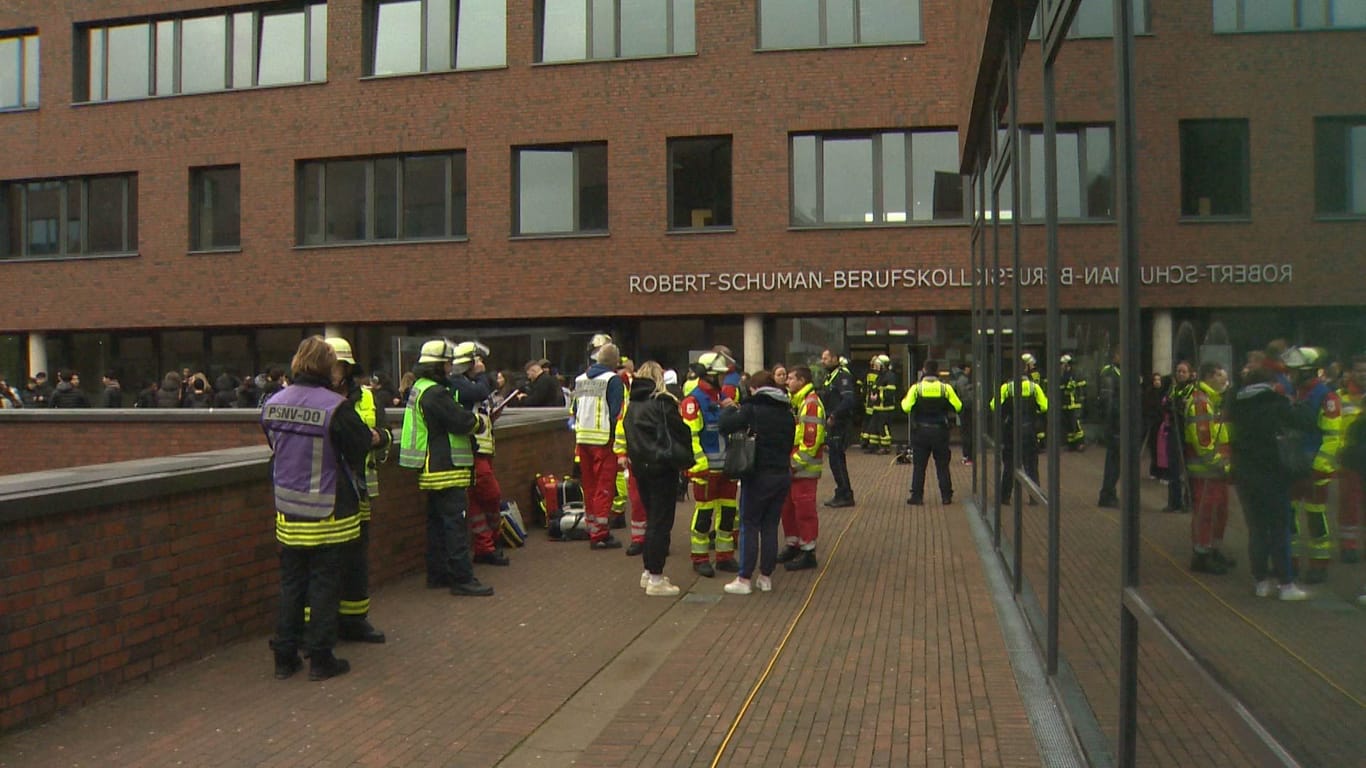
pixel 117 572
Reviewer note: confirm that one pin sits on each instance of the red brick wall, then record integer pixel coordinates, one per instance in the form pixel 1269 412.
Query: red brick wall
pixel 93 598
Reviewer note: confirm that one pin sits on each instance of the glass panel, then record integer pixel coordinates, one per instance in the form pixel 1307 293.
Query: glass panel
pixel 1268 15
pixel 10 62
pixel 545 190
pixel 282 49
pixel 644 27
pixel 592 171
pixel 203 54
pixel 894 178
pixel 1349 13
pixel 398 31
pixel 603 22
pixel 459 195
pixel 129 61
pixel 31 70
pixel 805 206
pixel 317 43
pixel 847 178
pixel 424 196
pixel 839 22
pixel 243 25
pixel 44 204
pixel 889 21
pixel 1100 173
pixel 482 30
pixel 685 26
pixel 564 31
pixel 936 185
pixel 106 228
pixel 75 217
pixel 345 188
pixel 165 56
pixel 1225 15
pixel 96 65
pixel 311 185
pixel 439 35
pixel 1356 156
pixel 789 23
pixel 386 198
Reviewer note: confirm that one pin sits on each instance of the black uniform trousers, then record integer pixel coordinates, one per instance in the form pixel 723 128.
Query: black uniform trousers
pixel 309 576
pixel 448 542
pixel 931 440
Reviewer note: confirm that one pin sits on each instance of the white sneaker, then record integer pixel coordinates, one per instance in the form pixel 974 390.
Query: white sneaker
pixel 739 587
pixel 644 579
pixel 664 588
pixel 1290 592
pixel 765 584
pixel 1266 588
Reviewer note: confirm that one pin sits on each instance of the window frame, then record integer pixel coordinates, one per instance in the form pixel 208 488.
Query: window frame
pixel 822 11
pixel 1245 170
pixel 1343 124
pixel 24 38
pixel 301 204
pixel 128 235
pixel 670 144
pixel 670 33
pixel 1297 14
pixel 876 136
pixel 577 149
pixel 89 90
pixel 196 207
pixel 1027 132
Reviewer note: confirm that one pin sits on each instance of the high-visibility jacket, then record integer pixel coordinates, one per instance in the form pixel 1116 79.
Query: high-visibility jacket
pixel 457 471
pixel 931 402
pixel 592 416
pixel 1207 446
pixel 808 441
pixel 1326 442
pixel 701 411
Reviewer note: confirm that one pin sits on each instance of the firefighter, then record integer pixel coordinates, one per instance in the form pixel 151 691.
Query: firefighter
pixel 1207 465
pixel 716 495
pixel 319 445
pixel 353 615
pixel 801 521
pixel 484 520
pixel 1073 389
pixel 1033 408
pixel 1309 496
pixel 598 397
pixel 1351 491
pixel 437 441
pixel 931 404
pixel 837 395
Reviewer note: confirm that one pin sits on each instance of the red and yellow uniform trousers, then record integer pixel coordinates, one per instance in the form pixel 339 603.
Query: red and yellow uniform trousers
pixel 1207 465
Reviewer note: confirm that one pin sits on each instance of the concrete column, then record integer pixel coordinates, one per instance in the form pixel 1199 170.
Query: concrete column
pixel 37 356
pixel 1162 342
pixel 332 329
pixel 754 344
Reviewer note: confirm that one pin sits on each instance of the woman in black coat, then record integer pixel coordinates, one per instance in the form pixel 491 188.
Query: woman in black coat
pixel 658 447
pixel 767 412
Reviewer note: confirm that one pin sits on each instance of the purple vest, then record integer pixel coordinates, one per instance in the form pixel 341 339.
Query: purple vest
pixel 297 422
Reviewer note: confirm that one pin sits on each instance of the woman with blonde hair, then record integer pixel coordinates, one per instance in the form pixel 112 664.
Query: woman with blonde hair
pixel 658 447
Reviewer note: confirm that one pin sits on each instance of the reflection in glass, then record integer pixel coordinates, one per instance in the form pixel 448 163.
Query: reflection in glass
pixel 482 32
pixel 894 178
pixel 789 23
pixel 935 182
pixel 398 30
pixel 105 229
pixel 889 21
pixel 43 205
pixel 203 54
pixel 545 186
pixel 345 188
pixel 129 61
pixel 11 60
pixel 282 51
pixel 564 31
pixel 847 181
pixel 805 208
pixel 424 196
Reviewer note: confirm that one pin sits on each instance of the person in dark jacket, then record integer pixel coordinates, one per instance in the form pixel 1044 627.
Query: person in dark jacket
pixel 767 412
pixel 652 416
pixel 542 390
pixel 1257 414
pixel 113 391
pixel 68 393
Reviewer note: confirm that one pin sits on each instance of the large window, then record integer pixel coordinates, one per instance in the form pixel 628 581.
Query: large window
pixel 275 45
pixel 1340 166
pixel 579 30
pixel 1214 168
pixel 817 23
pixel 559 190
pixel 889 177
pixel 18 71
pixel 699 183
pixel 1086 173
pixel 406 36
pixel 1287 15
pixel 1096 18
pixel 215 208
pixel 376 199
pixel 69 217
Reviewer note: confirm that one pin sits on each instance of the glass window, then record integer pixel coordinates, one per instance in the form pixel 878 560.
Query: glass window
pixel 813 23
pixel 281 53
pixel 129 61
pixel 398 27
pixel 1340 166
pixel 1214 168
pixel 409 197
pixel 481 34
pixel 576 30
pixel 560 190
pixel 700 183
pixel 215 208
pixel 345 188
pixel 890 178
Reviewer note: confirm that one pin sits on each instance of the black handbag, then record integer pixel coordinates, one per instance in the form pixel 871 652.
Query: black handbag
pixel 739 462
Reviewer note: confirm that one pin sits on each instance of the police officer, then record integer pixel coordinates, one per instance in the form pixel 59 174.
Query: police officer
pixel 437 442
pixel 319 445
pixel 931 404
pixel 352 621
pixel 837 394
pixel 1031 411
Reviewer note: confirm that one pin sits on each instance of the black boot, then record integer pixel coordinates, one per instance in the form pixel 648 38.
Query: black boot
pixel 789 553
pixel 322 665
pixel 804 560
pixel 286 664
